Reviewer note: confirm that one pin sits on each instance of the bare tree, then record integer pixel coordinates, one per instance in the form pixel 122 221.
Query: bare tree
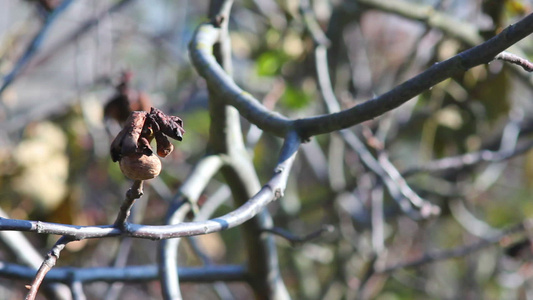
pixel 398 172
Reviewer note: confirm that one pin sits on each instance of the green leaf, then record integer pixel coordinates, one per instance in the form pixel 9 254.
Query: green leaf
pixel 270 63
pixel 295 98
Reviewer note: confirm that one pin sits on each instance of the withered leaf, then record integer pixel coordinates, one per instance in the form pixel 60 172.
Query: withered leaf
pixel 164 147
pixel 127 141
pixel 172 126
pixel 140 128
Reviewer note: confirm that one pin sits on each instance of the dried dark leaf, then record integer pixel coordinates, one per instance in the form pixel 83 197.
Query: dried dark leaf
pixel 172 126
pixel 127 141
pixel 164 147
pixel 140 128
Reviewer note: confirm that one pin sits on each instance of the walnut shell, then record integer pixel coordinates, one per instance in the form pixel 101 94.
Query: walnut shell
pixel 139 166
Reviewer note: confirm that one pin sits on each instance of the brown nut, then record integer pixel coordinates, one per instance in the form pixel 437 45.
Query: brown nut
pixel 138 166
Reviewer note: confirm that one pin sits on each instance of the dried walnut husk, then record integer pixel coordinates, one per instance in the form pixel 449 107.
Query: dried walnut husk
pixel 131 147
pixel 139 166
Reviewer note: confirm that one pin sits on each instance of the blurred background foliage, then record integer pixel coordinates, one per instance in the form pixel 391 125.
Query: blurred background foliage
pixel 54 140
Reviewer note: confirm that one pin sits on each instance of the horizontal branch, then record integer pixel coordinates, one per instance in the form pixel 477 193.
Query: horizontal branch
pixel 272 190
pixel 201 55
pixel 466 160
pixel 127 274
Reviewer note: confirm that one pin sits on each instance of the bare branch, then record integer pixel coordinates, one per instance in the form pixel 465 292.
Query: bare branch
pixel 298 240
pixel 25 253
pixel 515 59
pixel 186 197
pixel 126 274
pixel 465 32
pixel 468 159
pixel 272 190
pixel 48 263
pixel 431 257
pixel 135 192
pixel 201 56
pixel 35 45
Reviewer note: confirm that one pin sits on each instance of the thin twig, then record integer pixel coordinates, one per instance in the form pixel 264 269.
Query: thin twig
pixel 465 160
pixel 515 59
pixel 48 263
pixel 451 26
pixel 431 257
pixel 25 253
pixel 80 31
pixel 397 187
pixel 427 209
pixel 35 44
pixel 271 191
pixel 296 240
pixel 135 192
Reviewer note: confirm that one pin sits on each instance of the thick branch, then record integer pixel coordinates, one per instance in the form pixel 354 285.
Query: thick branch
pixel 370 109
pixel 201 56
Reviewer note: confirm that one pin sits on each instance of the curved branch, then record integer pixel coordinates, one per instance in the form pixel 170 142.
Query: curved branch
pixel 201 56
pixel 201 53
pixel 482 54
pixel 188 194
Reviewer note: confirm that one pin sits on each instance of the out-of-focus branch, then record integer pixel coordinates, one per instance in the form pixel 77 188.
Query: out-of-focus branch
pixel 426 208
pixel 126 274
pixel 25 253
pixel 35 44
pixel 226 139
pixel 431 257
pixel 399 191
pixel 187 197
pixel 465 160
pixel 396 185
pixel 463 31
pixel 298 240
pixel 82 29
pixel 470 159
pixel 469 222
